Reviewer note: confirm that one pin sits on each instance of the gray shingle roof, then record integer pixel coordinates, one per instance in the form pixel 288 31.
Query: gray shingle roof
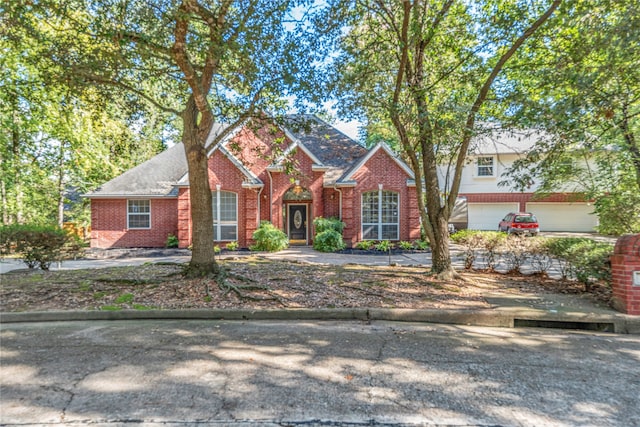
pixel 328 144
pixel 159 176
pixel 154 178
pixel 331 147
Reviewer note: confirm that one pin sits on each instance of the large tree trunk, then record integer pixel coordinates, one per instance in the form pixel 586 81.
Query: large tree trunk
pixel 440 256
pixel 202 257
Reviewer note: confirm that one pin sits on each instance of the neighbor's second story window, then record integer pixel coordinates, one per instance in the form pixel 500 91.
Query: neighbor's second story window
pixel 486 166
pixel 138 214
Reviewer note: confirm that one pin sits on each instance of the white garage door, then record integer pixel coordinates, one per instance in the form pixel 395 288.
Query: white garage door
pixel 486 216
pixel 564 216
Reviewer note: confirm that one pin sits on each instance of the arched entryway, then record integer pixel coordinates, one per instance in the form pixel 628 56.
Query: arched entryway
pixel 297 201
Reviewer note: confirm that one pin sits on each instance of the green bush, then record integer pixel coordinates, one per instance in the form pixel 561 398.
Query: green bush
pixel 232 246
pixel 365 245
pixel 328 241
pixel 269 238
pixel 328 234
pixel 384 246
pixel 464 236
pixel 38 245
pixel 618 212
pixel 541 259
pixel 587 259
pixel 515 251
pixel 422 245
pixel 474 240
pixel 405 246
pixel 172 241
pixel 323 224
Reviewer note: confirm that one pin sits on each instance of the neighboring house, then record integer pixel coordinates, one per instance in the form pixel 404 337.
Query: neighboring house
pixel 288 175
pixel 487 203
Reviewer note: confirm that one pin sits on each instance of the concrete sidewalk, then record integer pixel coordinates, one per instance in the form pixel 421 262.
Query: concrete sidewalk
pixel 119 257
pixel 508 310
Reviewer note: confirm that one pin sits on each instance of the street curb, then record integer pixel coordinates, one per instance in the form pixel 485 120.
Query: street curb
pixel 506 318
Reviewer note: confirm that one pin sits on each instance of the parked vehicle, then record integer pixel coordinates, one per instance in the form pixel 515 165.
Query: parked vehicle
pixel 520 223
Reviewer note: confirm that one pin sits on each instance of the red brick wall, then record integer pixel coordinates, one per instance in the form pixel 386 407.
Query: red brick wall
pixel 226 174
pixel 109 224
pixel 184 218
pixel 331 199
pixel 626 260
pixel 382 169
pixel 310 180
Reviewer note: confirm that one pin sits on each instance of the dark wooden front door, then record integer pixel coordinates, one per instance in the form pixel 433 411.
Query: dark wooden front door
pixel 298 224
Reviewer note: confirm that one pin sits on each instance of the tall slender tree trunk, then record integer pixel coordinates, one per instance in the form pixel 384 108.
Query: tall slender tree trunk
pixel 630 139
pixel 202 257
pixel 3 194
pixel 16 160
pixel 60 193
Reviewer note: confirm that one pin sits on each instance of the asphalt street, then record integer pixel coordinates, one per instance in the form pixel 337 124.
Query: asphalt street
pixel 234 373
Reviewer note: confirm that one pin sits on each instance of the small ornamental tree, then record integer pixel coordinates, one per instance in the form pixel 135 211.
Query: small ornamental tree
pixel 38 245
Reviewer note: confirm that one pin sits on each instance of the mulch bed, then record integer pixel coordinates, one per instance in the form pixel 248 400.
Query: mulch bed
pixel 278 284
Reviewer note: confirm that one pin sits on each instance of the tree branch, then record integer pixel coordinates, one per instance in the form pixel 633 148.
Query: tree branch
pixel 116 83
pixel 180 55
pixel 482 95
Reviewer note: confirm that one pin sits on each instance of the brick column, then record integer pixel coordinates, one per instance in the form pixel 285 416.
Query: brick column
pixel 625 267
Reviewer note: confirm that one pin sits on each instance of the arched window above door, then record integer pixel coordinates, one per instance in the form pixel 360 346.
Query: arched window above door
pixel 297 193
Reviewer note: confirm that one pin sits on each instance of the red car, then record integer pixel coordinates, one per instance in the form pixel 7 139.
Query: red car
pixel 520 223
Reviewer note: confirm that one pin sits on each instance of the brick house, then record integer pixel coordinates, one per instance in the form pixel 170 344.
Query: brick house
pixel 287 174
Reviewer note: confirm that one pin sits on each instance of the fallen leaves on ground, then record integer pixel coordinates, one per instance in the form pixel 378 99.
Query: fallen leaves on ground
pixel 282 284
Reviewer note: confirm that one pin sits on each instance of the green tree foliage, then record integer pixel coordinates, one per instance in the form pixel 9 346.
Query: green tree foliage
pixel 58 140
pixel 584 93
pixel 426 69
pixel 221 61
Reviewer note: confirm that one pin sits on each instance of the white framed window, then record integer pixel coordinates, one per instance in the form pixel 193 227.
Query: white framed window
pixel 380 215
pixel 486 166
pixel 139 214
pixel 225 216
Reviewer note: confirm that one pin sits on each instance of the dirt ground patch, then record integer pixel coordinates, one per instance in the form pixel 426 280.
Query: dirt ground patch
pixel 283 284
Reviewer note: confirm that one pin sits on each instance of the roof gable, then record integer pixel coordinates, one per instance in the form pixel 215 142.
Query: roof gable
pixel 328 145
pixel 348 177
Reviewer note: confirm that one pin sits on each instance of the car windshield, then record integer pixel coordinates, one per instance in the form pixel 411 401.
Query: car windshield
pixel 526 218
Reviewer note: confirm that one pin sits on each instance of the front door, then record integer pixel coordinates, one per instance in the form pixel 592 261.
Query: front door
pixel 298 224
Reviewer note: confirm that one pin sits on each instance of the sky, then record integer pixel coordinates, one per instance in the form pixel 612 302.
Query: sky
pixel 348 128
